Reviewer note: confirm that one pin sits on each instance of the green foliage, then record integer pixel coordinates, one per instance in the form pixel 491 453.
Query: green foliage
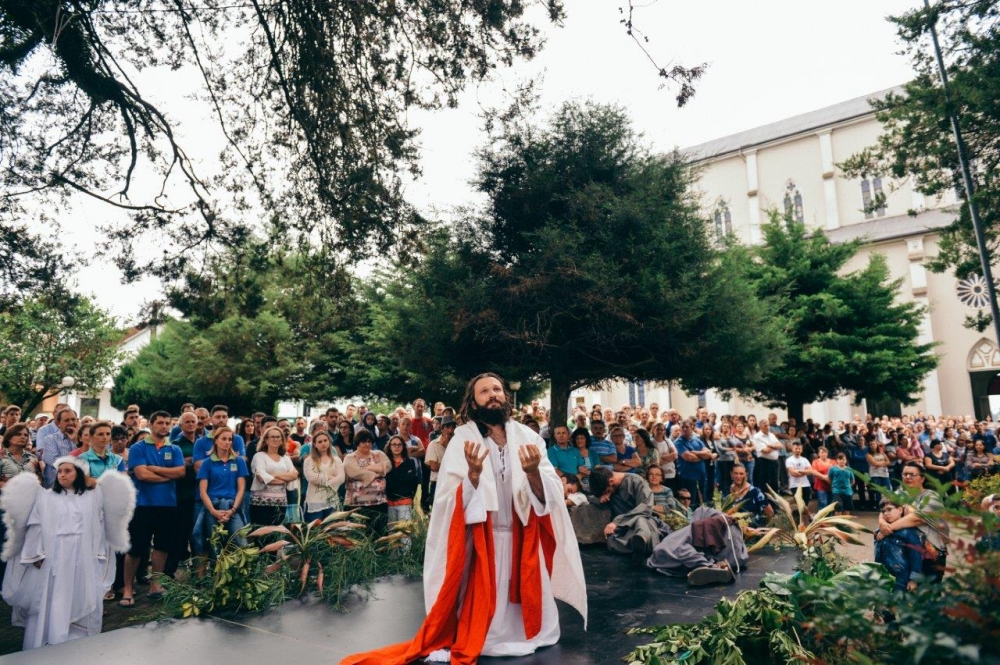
pixel 313 103
pixel 240 362
pixel 589 263
pixel 29 265
pixel 48 337
pixel 238 583
pixel 980 487
pixel 846 332
pixel 754 628
pixel 331 559
pixel 917 141
pixel 832 611
pixel 800 529
pixel 270 326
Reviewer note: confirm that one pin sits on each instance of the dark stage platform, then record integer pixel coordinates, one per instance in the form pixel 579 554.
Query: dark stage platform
pixel 621 596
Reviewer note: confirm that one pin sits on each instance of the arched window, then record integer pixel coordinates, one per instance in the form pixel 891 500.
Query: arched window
pixel 879 196
pixel 723 220
pixel 793 203
pixel 872 197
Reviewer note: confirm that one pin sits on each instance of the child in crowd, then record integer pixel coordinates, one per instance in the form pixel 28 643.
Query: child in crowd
pixel 571 491
pixel 842 482
pixel 900 551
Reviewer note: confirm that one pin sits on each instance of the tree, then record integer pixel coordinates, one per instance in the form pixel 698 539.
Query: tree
pixel 240 362
pixel 312 98
pixel 917 140
pixel 846 332
pixel 311 95
pixel 29 266
pixel 590 263
pixel 272 325
pixel 44 339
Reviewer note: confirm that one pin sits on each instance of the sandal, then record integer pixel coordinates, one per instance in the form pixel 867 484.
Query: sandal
pixel 155 595
pixel 110 595
pixel 126 601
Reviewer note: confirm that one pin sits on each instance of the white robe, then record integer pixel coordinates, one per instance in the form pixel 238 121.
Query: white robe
pixel 504 491
pixel 63 599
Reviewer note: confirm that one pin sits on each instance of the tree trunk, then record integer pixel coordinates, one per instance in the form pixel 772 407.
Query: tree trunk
pixel 559 391
pixel 795 410
pixel 33 403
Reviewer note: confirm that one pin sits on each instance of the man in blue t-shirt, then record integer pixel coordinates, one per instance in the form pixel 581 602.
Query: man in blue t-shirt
pixel 601 447
pixel 692 474
pixel 564 457
pixel 203 446
pixel 155 465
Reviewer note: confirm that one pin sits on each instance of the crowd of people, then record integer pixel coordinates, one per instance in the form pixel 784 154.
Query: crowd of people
pixel 203 467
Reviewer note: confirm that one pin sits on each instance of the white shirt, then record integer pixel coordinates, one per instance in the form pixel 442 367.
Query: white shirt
pixel 799 463
pixel 761 441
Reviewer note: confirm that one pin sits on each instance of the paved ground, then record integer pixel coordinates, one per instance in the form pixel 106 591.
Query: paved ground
pixel 620 597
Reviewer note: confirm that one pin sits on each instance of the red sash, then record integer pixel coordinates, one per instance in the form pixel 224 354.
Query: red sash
pixel 465 635
pixel 526 569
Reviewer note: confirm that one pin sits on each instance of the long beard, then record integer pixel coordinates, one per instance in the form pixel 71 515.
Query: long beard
pixel 488 415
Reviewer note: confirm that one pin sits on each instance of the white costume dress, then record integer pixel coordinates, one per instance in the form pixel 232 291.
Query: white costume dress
pixel 504 491
pixel 63 598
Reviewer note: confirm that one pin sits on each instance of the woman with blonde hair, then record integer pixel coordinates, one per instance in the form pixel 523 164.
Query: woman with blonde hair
pixel 325 474
pixel 222 481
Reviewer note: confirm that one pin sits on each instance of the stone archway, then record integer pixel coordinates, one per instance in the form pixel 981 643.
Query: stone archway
pixel 983 363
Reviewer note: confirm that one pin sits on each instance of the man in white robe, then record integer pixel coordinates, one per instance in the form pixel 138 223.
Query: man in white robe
pixel 497 468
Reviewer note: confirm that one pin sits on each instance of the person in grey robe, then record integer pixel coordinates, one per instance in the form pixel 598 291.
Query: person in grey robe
pixel 709 550
pixel 635 529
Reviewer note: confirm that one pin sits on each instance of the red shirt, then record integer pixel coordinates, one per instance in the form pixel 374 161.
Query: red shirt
pixel 422 428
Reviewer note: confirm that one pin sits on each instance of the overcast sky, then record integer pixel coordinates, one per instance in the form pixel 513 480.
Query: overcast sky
pixel 768 60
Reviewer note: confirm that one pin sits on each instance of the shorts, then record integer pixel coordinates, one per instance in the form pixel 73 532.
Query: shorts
pixel 153 523
pixel 845 502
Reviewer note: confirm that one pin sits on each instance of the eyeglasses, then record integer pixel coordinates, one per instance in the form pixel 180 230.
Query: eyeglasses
pixel 911 475
pixel 684 498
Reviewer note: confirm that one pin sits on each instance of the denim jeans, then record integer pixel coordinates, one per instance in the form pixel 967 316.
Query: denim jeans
pixel 205 524
pixel 401 514
pixel 822 499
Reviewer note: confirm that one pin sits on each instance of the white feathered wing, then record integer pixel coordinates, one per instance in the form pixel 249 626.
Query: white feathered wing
pixel 17 500
pixel 118 495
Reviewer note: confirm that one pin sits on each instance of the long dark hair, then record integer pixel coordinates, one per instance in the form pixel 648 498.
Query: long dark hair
pixel 79 482
pixel 646 439
pixel 388 448
pixel 469 401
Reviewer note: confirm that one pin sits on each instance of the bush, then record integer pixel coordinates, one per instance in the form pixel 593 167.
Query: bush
pixel 833 612
pixel 330 559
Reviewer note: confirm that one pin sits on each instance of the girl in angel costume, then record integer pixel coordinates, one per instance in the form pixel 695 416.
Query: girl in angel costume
pixel 60 549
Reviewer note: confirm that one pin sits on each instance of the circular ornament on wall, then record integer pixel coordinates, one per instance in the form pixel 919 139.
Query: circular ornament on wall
pixel 972 292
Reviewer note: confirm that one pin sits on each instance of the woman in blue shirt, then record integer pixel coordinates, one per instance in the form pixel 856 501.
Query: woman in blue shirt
pixel 221 489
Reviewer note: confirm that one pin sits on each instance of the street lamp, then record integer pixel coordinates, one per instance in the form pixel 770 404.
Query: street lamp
pixel 67 383
pixel 515 386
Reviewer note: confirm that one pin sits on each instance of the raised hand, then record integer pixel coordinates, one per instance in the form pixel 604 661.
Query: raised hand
pixel 475 460
pixel 530 457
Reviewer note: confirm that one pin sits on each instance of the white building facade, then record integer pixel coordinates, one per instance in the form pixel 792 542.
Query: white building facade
pixel 792 165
